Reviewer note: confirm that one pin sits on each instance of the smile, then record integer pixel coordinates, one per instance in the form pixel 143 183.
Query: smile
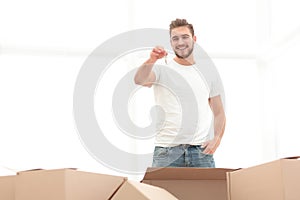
pixel 181 48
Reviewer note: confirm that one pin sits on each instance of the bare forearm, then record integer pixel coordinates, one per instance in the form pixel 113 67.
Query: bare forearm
pixel 219 126
pixel 142 75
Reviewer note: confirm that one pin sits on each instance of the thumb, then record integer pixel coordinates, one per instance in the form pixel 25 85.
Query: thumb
pixel 204 144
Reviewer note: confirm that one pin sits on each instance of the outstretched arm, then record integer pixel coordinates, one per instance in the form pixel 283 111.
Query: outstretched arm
pixel 144 75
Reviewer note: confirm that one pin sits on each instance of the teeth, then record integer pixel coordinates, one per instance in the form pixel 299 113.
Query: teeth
pixel 181 48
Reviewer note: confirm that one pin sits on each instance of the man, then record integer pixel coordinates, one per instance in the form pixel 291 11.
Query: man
pixel 174 145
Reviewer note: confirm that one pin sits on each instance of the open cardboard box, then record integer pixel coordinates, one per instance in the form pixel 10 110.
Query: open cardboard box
pixel 276 180
pixel 65 184
pixel 7 187
pixel 132 190
pixel 190 183
pixel 70 184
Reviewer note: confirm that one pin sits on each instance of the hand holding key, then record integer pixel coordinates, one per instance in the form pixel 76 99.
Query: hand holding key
pixel 158 52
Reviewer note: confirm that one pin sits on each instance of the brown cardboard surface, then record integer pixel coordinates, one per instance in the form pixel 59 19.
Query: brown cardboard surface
pixel 276 180
pixel 65 184
pixel 139 191
pixel 190 183
pixel 7 187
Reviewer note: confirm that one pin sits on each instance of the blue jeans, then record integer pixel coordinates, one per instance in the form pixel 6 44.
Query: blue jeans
pixel 182 156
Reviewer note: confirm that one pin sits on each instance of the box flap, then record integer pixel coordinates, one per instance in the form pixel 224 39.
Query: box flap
pixel 292 157
pixel 29 170
pixel 186 173
pixel 41 169
pixel 7 187
pixel 90 185
pixel 291 176
pixel 141 191
pixel 190 183
pixel 65 184
pixel 228 182
pixel 261 182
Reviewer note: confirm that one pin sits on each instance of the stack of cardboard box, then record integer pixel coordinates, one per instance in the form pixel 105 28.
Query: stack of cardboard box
pixel 277 180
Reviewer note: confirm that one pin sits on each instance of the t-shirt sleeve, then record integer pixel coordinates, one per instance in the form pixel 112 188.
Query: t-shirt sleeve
pixel 156 71
pixel 216 87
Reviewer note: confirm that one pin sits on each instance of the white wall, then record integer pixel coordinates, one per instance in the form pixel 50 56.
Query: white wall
pixel 43 45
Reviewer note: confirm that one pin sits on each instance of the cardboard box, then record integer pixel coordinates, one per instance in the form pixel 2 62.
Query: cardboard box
pixel 7 187
pixel 277 180
pixel 139 191
pixel 70 184
pixel 65 184
pixel 190 183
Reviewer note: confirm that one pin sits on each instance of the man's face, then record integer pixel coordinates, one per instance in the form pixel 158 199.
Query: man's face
pixel 182 42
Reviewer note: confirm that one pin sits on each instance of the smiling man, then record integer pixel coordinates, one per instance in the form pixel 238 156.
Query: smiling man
pixel 176 146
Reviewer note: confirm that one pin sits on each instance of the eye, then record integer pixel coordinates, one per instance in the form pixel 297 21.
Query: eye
pixel 175 39
pixel 185 37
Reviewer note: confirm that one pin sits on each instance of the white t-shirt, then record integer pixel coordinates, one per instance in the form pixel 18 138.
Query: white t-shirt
pixel 182 92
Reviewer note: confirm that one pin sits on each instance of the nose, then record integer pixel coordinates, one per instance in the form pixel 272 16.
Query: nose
pixel 180 41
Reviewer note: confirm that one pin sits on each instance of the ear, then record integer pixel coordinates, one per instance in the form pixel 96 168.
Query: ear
pixel 195 38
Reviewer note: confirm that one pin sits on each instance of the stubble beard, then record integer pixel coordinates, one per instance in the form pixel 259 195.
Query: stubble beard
pixel 185 55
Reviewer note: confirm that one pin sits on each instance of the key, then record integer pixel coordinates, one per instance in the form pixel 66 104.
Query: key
pixel 166 59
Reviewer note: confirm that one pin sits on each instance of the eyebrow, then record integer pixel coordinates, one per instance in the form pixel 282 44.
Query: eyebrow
pixel 180 35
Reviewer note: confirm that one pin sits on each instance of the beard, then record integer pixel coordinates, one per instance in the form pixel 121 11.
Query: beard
pixel 184 56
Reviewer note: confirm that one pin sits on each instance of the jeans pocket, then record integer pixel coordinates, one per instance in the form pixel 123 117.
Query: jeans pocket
pixel 205 160
pixel 201 154
pixel 161 152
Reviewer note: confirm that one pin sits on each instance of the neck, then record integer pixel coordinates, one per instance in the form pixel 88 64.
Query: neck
pixel 185 61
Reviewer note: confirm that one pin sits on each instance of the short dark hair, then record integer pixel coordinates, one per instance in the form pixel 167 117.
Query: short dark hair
pixel 181 22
